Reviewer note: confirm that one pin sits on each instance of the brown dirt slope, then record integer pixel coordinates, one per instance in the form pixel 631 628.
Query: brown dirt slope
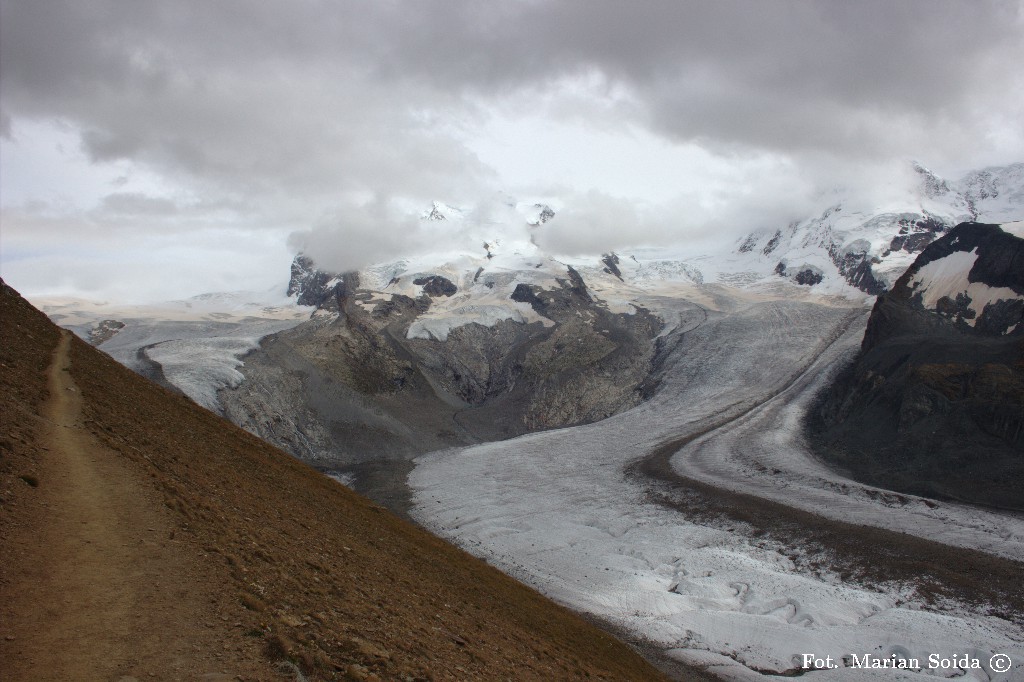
pixel 145 538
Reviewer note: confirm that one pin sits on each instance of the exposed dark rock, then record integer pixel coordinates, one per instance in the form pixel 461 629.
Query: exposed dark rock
pixel 576 285
pixel 104 331
pixel 528 293
pixel 611 264
pixel 999 263
pixel 314 287
pixel 571 295
pixel 435 285
pixel 748 244
pixel 308 283
pixel 933 405
pixel 1000 317
pixel 855 267
pixel 808 277
pixel 773 242
pixel 545 215
pixel 914 236
pixel 348 390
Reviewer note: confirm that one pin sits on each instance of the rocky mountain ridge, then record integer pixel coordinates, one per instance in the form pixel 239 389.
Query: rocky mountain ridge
pixel 870 246
pixel 934 403
pixel 440 358
pixel 499 338
pixel 851 245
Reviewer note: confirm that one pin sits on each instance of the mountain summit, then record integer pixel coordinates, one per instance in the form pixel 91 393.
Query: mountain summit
pixel 934 403
pixel 870 246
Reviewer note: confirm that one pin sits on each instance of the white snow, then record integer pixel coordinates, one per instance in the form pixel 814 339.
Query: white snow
pixel 222 306
pixel 947 277
pixel 1015 228
pixel 197 341
pixel 557 510
pixel 436 324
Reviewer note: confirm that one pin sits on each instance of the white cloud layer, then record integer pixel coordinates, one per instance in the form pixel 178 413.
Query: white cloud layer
pixel 151 119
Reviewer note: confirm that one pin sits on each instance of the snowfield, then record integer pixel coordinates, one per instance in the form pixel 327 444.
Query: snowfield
pixel 558 510
pixel 194 345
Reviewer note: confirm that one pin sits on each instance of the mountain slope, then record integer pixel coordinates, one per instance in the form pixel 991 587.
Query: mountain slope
pixel 869 245
pixel 266 560
pixel 408 358
pixel 934 403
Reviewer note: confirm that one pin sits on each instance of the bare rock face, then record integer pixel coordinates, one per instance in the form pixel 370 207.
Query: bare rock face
pixel 104 330
pixel 350 387
pixel 807 275
pixel 308 284
pixel 934 403
pixel 435 285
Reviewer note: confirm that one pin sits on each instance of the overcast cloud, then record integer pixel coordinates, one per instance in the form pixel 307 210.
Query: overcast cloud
pixel 228 126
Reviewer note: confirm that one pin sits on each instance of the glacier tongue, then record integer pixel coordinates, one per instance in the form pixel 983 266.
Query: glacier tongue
pixel 556 510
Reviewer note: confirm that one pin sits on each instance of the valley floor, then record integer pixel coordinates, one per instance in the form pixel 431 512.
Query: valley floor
pixel 701 521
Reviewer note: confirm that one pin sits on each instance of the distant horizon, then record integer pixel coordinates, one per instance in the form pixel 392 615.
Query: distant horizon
pixel 461 240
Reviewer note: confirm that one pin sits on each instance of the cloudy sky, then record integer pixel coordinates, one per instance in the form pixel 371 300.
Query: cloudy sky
pixel 155 150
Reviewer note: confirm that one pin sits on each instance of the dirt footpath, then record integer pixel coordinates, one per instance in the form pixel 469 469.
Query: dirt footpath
pixel 143 537
pixel 104 592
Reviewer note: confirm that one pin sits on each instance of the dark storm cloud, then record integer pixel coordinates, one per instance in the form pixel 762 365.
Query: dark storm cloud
pixel 845 77
pixel 232 86
pixel 839 77
pixel 292 112
pixel 239 96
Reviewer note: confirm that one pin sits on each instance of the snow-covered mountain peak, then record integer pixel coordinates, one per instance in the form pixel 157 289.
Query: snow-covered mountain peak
pixel 851 245
pixel 442 211
pixel 933 185
pixel 869 246
pixel 995 193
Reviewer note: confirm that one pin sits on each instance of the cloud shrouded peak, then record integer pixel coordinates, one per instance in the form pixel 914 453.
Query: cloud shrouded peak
pixel 281 114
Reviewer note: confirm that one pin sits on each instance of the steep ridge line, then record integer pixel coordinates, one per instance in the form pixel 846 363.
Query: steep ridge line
pixel 865 554
pixel 273 563
pixel 104 601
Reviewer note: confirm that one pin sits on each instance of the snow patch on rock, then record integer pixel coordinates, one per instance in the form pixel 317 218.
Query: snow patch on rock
pixel 947 278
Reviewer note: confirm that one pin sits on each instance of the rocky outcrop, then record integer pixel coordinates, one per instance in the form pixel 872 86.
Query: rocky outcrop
pixel 353 386
pixel 318 289
pixel 104 330
pixel 611 264
pixel 807 275
pixel 934 296
pixel 869 247
pixel 435 285
pixel 545 214
pixel 934 402
pixel 308 284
